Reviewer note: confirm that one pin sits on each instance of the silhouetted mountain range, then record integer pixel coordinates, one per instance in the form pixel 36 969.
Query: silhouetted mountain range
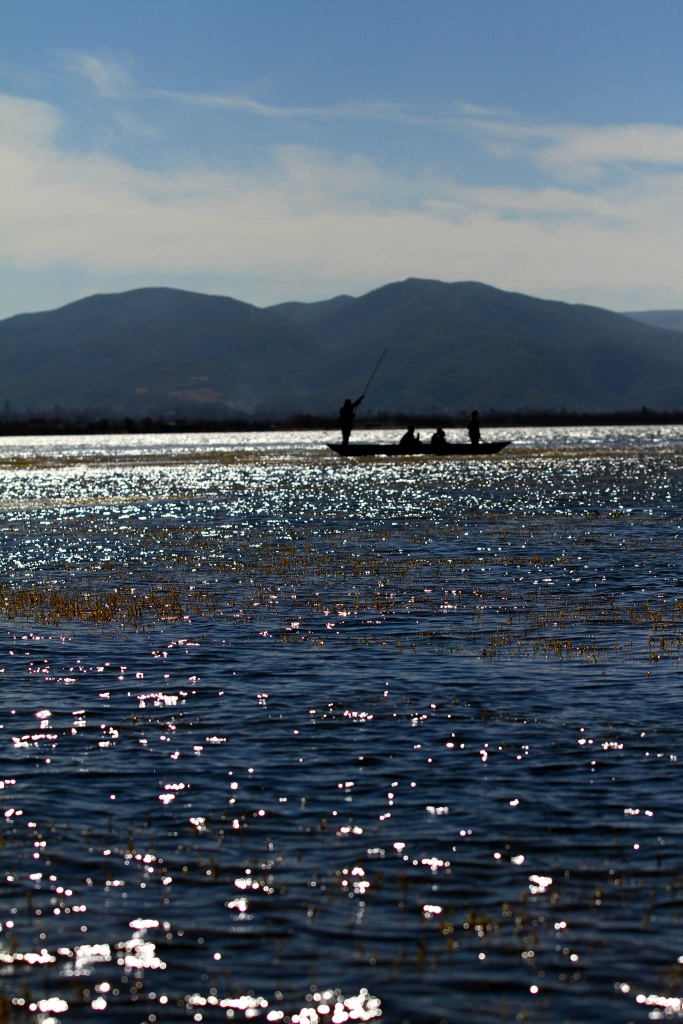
pixel 451 347
pixel 669 319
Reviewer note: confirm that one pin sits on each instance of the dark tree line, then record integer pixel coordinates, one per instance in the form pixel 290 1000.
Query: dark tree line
pixel 23 424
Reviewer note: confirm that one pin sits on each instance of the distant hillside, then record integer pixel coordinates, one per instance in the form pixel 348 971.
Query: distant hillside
pixel 153 349
pixel 305 312
pixel 457 346
pixel 451 347
pixel 669 319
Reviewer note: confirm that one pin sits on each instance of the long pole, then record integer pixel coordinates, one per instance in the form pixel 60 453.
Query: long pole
pixel 365 391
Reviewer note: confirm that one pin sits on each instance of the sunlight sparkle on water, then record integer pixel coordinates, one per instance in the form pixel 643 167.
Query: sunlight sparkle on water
pixel 293 737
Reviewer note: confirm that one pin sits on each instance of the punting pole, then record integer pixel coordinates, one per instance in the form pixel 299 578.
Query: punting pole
pixel 365 390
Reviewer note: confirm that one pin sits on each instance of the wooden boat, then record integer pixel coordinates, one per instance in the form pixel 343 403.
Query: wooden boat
pixel 358 448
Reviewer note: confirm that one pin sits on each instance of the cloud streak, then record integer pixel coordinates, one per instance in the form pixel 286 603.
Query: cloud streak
pixel 368 112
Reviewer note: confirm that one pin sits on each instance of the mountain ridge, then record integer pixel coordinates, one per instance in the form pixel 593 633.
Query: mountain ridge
pixel 668 319
pixel 452 346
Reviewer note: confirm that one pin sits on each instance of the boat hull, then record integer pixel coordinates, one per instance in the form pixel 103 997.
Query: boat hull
pixel 358 448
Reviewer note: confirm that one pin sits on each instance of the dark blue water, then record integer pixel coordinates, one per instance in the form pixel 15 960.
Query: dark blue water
pixel 290 738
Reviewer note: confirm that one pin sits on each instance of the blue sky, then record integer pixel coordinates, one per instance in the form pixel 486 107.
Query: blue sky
pixel 297 149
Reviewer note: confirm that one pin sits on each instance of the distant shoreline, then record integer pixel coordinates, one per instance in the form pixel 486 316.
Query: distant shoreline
pixel 44 425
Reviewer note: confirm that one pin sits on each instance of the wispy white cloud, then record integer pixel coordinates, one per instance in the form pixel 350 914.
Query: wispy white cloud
pixel 614 145
pixel 109 76
pixel 556 147
pixel 562 149
pixel 308 224
pixel 570 149
pixel 376 111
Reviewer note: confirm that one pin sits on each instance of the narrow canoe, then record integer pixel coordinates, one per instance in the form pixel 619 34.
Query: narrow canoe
pixel 483 448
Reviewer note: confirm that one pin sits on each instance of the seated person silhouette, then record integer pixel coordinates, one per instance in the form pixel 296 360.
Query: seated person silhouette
pixel 473 427
pixel 438 440
pixel 410 441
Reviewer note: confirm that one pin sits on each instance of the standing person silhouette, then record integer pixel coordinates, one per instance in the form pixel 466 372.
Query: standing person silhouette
pixel 346 414
pixel 473 427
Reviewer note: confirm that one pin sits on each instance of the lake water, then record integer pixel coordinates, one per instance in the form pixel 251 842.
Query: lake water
pixel 297 738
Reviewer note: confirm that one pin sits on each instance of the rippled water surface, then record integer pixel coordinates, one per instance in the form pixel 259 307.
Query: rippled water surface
pixel 298 738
